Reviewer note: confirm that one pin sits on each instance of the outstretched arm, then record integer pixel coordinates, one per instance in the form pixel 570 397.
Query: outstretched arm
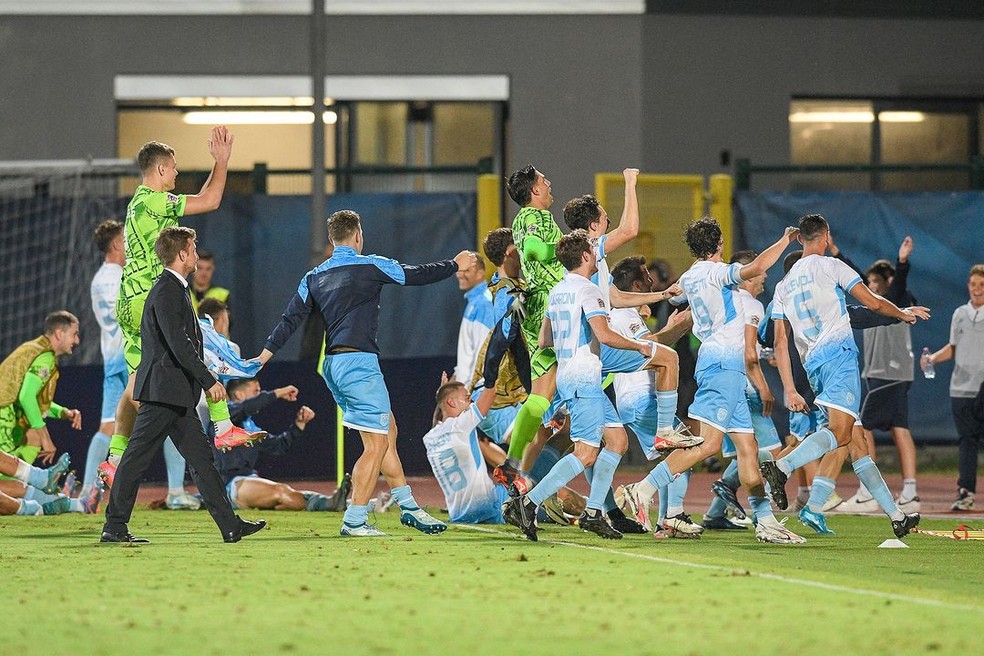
pixel 884 306
pixel 769 256
pixel 628 225
pixel 209 198
pixel 623 299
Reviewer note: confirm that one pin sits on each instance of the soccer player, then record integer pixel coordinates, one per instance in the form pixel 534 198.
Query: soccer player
pixel 536 235
pixel 760 403
pixel 237 466
pixel 587 213
pixel 720 405
pixel 476 322
pixel 641 396
pixel 104 290
pixel 456 458
pixel 345 288
pixel 153 208
pixel 966 349
pixel 28 378
pixel 810 301
pixel 576 324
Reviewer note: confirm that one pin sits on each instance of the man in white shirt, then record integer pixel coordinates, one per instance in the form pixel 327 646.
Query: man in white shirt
pixel 810 301
pixel 966 347
pixel 476 321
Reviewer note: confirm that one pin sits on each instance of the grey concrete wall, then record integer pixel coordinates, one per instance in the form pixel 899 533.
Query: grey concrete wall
pixel 589 93
pixel 714 83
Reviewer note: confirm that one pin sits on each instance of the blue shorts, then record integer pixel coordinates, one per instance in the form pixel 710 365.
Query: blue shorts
pixel 232 489
pixel 837 382
pixel 640 415
pixel 720 400
pixel 588 417
pixel 498 422
pixel 765 429
pixel 113 386
pixel 619 361
pixel 358 387
pixel 801 425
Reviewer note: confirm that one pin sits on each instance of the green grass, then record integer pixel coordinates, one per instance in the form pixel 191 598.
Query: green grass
pixel 298 588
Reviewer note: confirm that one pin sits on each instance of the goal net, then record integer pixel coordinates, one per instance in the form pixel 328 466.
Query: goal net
pixel 47 253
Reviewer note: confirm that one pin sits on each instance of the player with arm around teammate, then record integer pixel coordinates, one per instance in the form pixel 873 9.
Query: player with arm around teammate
pixel 810 301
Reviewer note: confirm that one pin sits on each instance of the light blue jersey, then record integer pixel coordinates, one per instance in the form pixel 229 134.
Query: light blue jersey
pixel 719 319
pixel 573 301
pixel 104 291
pixel 454 456
pixel 812 299
pixel 602 278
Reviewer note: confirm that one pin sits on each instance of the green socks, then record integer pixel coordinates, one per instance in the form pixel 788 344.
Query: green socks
pixel 528 421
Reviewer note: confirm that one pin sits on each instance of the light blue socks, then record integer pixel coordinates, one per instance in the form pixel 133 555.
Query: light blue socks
pixel 559 475
pixel 812 448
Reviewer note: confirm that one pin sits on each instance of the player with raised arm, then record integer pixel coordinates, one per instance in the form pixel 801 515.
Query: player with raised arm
pixel 576 324
pixel 709 286
pixel 345 289
pixel 810 301
pixel 760 403
pixel 153 208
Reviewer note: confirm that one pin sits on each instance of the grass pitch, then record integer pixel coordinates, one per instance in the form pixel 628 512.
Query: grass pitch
pixel 299 588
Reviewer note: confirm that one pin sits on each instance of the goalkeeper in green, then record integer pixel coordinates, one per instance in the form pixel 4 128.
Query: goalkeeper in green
pixel 153 208
pixel 535 234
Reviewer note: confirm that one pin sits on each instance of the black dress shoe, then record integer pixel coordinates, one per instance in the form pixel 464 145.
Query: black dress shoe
pixel 126 536
pixel 245 528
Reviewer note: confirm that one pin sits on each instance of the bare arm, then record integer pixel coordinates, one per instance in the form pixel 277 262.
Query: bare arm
pixel 546 334
pixel 754 370
pixel 794 401
pixel 946 353
pixel 623 299
pixel 678 325
pixel 769 256
pixel 209 198
pixel 628 225
pixel 607 336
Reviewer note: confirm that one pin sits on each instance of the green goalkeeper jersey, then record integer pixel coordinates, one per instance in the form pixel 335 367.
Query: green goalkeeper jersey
pixel 530 222
pixel 148 213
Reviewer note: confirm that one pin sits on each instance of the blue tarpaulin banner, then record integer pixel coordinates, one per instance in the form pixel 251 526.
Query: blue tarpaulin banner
pixel 948 232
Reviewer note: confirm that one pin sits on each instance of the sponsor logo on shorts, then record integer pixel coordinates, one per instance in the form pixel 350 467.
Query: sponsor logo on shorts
pixel 850 397
pixel 722 414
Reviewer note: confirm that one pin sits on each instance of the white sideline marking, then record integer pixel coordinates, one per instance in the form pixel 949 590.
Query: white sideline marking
pixel 761 575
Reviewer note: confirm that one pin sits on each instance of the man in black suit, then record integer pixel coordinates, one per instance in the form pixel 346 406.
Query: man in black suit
pixel 169 382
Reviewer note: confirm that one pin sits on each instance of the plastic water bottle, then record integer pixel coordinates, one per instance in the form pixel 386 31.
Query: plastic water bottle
pixel 929 371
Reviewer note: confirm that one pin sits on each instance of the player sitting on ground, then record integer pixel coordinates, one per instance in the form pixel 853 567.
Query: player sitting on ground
pixel 456 456
pixel 237 466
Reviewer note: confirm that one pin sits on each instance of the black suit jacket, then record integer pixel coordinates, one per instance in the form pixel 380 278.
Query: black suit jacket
pixel 171 368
